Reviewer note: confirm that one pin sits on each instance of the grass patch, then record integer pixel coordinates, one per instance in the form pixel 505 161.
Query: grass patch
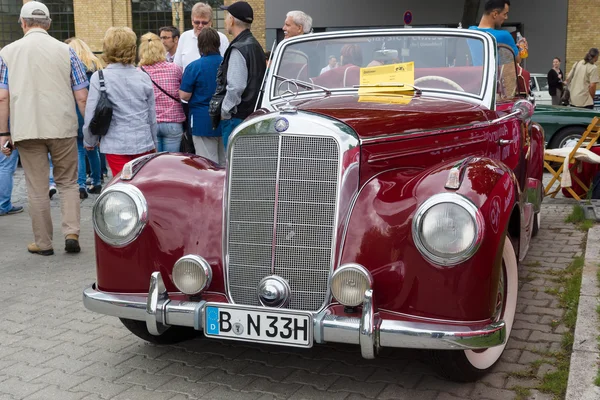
pixel 556 382
pixel 577 217
pixel 522 392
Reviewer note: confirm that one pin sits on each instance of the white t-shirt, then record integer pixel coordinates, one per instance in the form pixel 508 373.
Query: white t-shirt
pixel 327 68
pixel 187 50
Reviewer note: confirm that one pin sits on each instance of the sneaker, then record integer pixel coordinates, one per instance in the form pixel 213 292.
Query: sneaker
pixel 34 249
pixel 72 243
pixel 52 191
pixel 88 181
pixel 13 210
pixel 82 194
pixel 94 189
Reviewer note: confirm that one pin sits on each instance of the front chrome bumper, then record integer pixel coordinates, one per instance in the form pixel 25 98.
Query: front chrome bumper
pixel 369 331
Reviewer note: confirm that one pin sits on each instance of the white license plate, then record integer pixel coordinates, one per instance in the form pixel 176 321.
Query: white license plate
pixel 282 327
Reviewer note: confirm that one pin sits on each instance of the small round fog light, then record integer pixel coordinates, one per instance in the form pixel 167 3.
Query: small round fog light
pixel 192 274
pixel 349 284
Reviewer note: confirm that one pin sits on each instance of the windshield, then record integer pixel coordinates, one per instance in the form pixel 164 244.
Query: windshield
pixel 427 61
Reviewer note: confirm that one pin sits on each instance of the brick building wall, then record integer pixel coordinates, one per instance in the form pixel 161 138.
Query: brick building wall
pixel 581 30
pixel 259 24
pixel 94 17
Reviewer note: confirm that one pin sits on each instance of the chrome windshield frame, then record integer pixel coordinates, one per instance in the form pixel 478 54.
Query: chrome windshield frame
pixel 486 97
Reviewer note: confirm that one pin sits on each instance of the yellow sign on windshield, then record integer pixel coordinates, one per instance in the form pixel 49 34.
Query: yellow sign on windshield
pixel 377 79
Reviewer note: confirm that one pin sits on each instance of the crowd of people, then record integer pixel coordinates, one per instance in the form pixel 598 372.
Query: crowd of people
pixel 161 90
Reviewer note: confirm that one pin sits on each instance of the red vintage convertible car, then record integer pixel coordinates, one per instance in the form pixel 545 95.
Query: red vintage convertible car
pixel 384 203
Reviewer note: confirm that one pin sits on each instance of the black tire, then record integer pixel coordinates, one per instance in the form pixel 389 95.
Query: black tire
pixel 470 366
pixel 174 334
pixel 536 224
pixel 565 135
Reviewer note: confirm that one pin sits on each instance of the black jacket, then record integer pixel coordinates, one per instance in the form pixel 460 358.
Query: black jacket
pixel 254 55
pixel 554 82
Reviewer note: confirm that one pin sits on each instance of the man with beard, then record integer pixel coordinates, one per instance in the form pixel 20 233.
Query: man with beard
pixel 495 13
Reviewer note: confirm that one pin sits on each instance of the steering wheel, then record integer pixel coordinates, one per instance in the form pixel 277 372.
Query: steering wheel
pixel 439 79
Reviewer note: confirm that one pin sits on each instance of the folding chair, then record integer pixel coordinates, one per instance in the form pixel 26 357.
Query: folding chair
pixel 569 158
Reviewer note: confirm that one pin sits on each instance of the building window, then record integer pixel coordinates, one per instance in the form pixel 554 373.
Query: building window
pixel 63 20
pixel 150 15
pixel 61 12
pixel 218 14
pixel 10 30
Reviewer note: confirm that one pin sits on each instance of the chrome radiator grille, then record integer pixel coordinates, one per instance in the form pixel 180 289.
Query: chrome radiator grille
pixel 282 208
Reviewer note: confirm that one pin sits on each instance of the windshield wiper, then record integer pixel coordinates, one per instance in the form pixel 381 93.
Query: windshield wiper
pixel 303 84
pixel 391 84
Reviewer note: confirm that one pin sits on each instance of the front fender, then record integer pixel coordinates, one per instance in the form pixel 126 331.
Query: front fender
pixel 379 237
pixel 183 193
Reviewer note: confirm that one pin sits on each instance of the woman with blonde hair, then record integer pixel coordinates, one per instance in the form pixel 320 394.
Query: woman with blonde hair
pixel 133 131
pixel 92 64
pixel 166 78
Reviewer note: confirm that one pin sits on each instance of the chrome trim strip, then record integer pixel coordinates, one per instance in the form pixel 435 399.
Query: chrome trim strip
pixel 275 208
pixel 327 327
pixel 451 129
pixel 141 206
pixel 461 201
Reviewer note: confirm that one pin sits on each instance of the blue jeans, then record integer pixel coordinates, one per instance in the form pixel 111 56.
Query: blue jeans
pixel 227 126
pixel 169 136
pixel 51 177
pixel 94 158
pixel 8 165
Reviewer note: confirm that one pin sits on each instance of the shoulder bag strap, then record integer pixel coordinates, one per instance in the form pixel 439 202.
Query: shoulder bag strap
pixel 101 80
pixel 158 86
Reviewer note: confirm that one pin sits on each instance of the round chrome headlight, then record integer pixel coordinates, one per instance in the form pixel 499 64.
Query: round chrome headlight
pixel 447 229
pixel 192 274
pixel 349 284
pixel 119 214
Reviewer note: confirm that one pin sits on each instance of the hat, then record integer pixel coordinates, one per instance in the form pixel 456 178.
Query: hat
pixel 241 10
pixel 28 9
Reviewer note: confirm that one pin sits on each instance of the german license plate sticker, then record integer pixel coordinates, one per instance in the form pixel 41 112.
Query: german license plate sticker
pixel 282 327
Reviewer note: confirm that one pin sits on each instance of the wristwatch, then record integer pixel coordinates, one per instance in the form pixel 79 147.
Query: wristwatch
pixel 5 134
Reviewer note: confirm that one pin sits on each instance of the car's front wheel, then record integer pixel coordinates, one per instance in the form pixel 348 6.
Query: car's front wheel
pixel 174 334
pixel 470 365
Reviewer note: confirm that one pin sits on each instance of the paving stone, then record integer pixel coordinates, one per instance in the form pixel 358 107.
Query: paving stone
pixel 438 385
pixel 185 371
pixel 532 327
pixel 368 389
pixel 104 371
pixel 528 357
pixel 398 392
pixel 485 392
pixel 276 374
pixel 62 380
pixel 66 364
pixel 183 386
pixel 139 393
pixel 103 388
pixel 495 379
pixel 141 362
pixel 142 378
pixel 19 389
pixel 311 393
pixel 545 337
pixel 279 389
pixel 545 369
pixel 55 393
pixel 513 382
pixel 319 381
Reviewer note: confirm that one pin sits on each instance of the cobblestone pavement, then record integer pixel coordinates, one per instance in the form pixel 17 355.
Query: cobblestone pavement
pixel 52 348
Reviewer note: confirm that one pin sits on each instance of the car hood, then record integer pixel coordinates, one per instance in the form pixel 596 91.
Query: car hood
pixel 375 118
pixel 563 110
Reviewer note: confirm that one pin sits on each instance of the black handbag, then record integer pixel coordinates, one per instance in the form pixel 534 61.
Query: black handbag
pixel 565 98
pixel 103 113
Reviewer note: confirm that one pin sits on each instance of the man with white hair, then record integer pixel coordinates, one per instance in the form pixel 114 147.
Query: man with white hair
pixel 296 23
pixel 187 50
pixel 41 82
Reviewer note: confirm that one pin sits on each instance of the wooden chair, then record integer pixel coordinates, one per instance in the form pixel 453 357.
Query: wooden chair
pixel 568 159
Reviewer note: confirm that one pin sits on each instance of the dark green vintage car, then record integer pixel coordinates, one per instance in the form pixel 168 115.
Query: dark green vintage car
pixel 563 126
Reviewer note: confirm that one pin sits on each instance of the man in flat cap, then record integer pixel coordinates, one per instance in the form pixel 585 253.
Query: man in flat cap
pixel 241 72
